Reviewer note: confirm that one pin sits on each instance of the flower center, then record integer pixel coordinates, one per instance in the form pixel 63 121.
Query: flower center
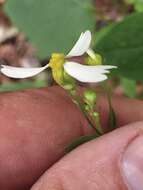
pixel 57 60
pixel 56 63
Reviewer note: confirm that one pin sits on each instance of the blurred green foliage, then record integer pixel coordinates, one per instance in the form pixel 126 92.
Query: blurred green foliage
pixel 121 44
pixel 55 25
pixel 51 25
pixel 138 4
pixel 8 87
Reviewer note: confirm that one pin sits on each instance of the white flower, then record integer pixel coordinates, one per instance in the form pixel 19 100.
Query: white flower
pixel 83 73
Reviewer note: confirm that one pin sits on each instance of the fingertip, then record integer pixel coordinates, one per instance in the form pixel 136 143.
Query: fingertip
pixel 94 165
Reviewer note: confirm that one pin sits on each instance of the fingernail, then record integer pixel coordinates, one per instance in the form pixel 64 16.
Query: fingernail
pixel 132 164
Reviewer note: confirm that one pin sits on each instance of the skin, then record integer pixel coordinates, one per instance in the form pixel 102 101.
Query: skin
pixel 35 128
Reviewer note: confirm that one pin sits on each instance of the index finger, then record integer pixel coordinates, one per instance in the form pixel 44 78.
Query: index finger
pixel 126 110
pixel 37 125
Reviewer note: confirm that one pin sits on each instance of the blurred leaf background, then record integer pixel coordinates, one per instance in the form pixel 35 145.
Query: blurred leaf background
pixel 52 26
pixel 49 26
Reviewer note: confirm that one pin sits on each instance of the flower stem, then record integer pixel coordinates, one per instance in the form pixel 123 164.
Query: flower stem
pixel 92 117
pixel 112 121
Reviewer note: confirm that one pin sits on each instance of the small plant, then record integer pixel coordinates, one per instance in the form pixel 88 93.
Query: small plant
pixel 120 44
pixel 66 73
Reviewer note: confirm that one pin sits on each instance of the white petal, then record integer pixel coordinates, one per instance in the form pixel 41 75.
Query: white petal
pixel 86 73
pixel 18 72
pixel 104 67
pixel 82 45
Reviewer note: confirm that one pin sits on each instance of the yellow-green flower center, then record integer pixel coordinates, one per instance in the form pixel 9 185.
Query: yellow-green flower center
pixel 56 63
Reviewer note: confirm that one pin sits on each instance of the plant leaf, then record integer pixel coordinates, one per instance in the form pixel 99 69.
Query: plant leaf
pixel 138 4
pixel 121 44
pixel 81 140
pixel 51 25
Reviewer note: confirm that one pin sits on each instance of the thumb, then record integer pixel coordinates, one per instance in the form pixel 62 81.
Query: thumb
pixel 113 161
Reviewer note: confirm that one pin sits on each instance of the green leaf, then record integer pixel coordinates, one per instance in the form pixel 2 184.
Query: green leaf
pixel 138 4
pixel 22 86
pixel 51 25
pixel 139 7
pixel 121 44
pixel 129 87
pixel 81 140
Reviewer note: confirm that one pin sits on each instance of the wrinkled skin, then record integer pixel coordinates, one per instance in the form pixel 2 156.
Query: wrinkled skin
pixel 36 125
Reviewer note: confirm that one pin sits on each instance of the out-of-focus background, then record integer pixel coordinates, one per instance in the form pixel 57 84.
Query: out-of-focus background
pixel 30 30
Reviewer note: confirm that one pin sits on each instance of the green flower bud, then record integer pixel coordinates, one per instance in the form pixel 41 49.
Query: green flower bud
pixel 68 83
pixel 96 60
pixel 90 97
pixel 68 86
pixel 96 114
pixel 96 117
pixel 87 108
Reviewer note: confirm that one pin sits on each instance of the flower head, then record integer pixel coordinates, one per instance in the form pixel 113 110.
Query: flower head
pixel 63 69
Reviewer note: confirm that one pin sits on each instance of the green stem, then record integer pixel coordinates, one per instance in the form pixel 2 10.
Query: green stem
pixel 80 141
pixel 112 122
pixel 78 101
